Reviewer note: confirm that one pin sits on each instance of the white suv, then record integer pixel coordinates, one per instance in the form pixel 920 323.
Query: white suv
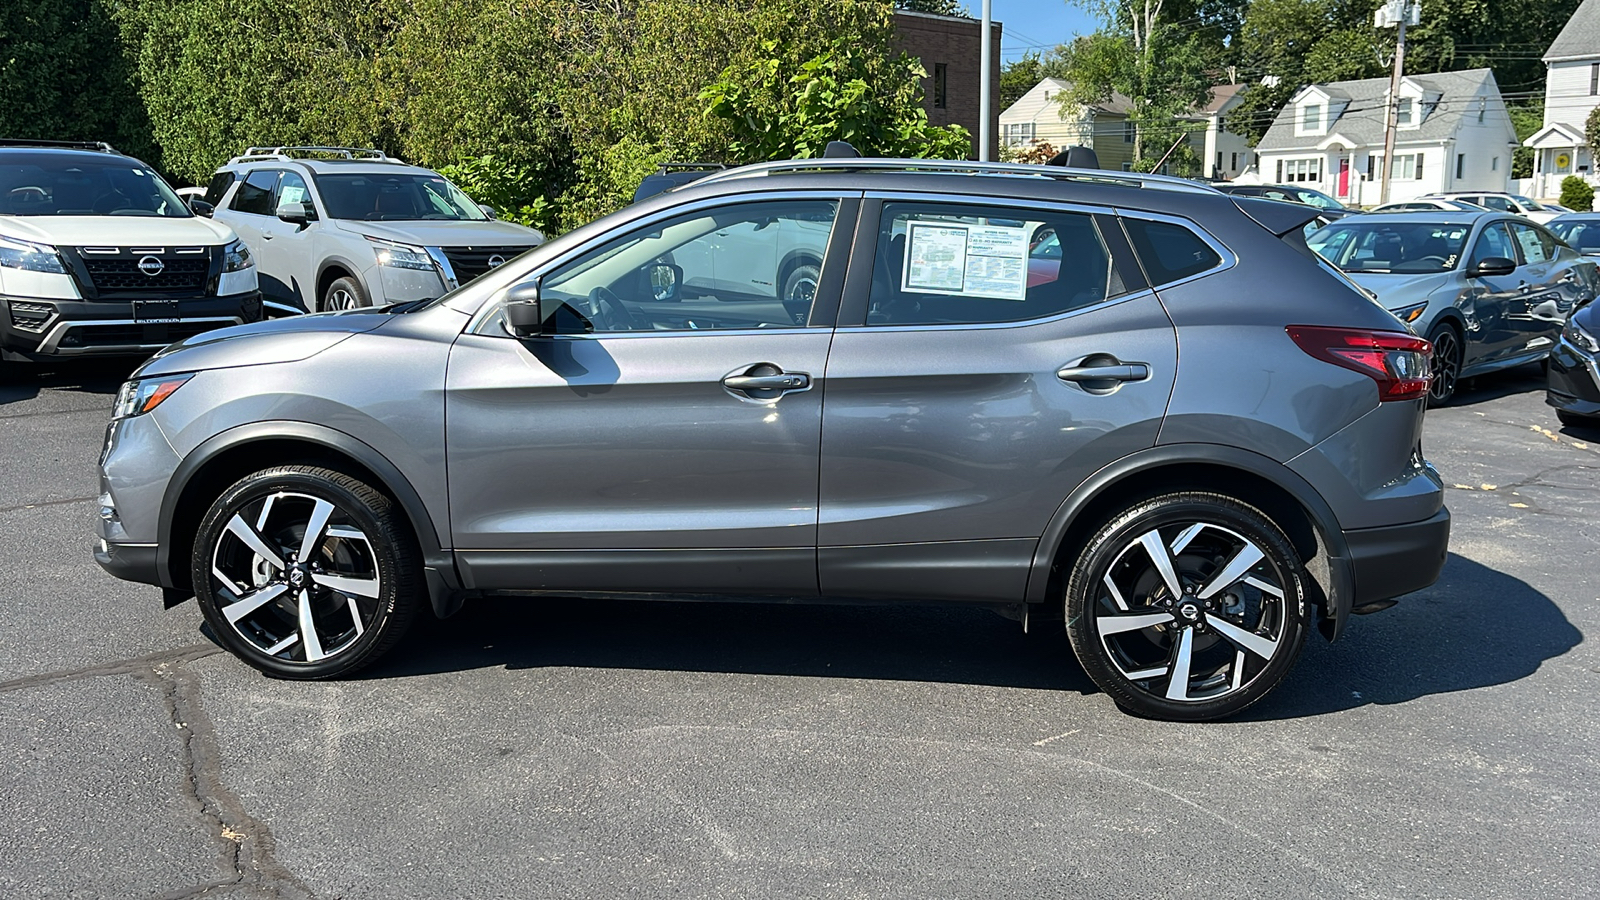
pixel 1512 203
pixel 344 227
pixel 98 256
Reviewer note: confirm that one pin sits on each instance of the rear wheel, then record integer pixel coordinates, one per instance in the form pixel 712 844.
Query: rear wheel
pixel 1447 355
pixel 306 573
pixel 1187 607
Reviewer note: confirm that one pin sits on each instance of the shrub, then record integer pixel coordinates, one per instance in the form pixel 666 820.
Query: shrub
pixel 1577 194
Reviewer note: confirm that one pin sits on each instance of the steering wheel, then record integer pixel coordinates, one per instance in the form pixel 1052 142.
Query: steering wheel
pixel 607 310
pixel 1438 260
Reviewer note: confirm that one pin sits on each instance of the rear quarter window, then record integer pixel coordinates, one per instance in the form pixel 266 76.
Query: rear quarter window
pixel 219 185
pixel 1169 252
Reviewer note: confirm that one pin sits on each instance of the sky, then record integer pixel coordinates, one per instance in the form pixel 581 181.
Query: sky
pixel 1034 24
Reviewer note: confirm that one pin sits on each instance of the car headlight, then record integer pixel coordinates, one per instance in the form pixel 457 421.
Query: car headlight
pixel 236 256
pixel 1577 336
pixel 139 397
pixel 1409 314
pixel 401 256
pixel 15 254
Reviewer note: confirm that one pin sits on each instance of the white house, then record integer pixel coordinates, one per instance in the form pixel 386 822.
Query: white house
pixel 1571 92
pixel 1452 134
pixel 1037 117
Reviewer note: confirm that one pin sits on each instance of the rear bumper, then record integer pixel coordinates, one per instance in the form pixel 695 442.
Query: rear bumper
pixel 33 328
pixel 1397 559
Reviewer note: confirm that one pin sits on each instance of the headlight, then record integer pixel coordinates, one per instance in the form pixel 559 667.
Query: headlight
pixel 1409 314
pixel 139 397
pixel 15 254
pixel 1578 337
pixel 236 256
pixel 401 256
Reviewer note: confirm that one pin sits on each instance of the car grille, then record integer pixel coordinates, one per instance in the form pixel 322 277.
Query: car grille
pixel 182 274
pixel 133 334
pixel 470 262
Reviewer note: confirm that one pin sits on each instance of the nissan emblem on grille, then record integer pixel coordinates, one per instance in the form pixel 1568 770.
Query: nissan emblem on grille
pixel 496 261
pixel 152 266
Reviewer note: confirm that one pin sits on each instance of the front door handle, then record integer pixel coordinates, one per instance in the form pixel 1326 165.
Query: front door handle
pixel 1116 372
pixel 765 381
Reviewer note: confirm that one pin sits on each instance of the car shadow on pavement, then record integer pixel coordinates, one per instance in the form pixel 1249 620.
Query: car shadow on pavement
pixel 1474 628
pixel 1493 386
pixel 23 381
pixel 964 645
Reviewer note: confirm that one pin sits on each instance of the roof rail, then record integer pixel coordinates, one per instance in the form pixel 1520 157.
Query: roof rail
pixel 254 154
pixel 101 146
pixel 957 167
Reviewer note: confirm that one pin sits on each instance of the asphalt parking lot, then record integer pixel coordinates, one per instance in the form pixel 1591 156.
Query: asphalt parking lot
pixel 1444 748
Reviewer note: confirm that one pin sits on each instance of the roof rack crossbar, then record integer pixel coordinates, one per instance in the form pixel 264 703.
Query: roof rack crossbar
pixel 1135 179
pixel 101 146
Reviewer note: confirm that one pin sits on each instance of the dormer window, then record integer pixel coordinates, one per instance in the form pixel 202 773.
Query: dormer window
pixel 1311 117
pixel 1403 112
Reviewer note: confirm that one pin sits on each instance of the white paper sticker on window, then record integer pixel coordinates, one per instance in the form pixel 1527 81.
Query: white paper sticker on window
pixel 966 260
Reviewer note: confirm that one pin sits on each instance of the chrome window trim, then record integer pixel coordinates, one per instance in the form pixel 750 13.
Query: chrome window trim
pixel 489 307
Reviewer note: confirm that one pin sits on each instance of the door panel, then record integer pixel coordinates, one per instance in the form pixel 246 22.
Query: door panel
pixel 1488 299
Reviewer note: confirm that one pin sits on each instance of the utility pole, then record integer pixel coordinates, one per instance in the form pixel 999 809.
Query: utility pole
pixel 984 84
pixel 1399 13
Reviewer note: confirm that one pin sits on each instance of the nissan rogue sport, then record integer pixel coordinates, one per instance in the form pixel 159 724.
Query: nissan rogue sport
pixel 1178 432
pixel 98 256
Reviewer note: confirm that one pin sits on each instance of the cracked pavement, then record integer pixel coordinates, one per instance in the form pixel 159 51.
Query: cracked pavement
pixel 1443 748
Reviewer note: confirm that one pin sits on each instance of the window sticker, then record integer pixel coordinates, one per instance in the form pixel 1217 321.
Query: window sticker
pixel 944 257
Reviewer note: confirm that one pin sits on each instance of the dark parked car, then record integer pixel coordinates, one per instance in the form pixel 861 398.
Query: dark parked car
pixel 1581 231
pixel 1329 207
pixel 940 420
pixel 1490 290
pixel 1573 386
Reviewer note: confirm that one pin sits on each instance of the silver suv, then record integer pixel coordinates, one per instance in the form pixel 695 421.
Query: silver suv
pixel 1124 402
pixel 342 228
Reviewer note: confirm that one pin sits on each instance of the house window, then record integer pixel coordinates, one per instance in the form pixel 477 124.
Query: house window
pixel 1017 133
pixel 1461 163
pixel 1311 118
pixel 1279 179
pixel 1292 170
pixel 1402 116
pixel 941 83
pixel 1128 131
pixel 1594 79
pixel 1483 103
pixel 1407 166
pixel 1371 161
pixel 1494 164
pixel 1233 161
pixel 1219 159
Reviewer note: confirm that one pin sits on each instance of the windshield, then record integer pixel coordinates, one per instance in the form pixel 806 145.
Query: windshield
pixel 1528 203
pixel 1317 199
pixel 60 185
pixel 1396 247
pixel 1582 235
pixel 396 197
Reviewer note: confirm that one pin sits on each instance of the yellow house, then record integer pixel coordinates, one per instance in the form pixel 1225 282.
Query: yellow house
pixel 1037 117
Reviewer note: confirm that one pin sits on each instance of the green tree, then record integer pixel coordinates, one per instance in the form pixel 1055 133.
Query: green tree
pixel 843 94
pixel 65 77
pixel 941 7
pixel 1020 75
pixel 1525 119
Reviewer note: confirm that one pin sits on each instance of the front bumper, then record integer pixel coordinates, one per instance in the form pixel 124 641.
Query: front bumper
pixel 33 328
pixel 1397 559
pixel 130 562
pixel 1573 382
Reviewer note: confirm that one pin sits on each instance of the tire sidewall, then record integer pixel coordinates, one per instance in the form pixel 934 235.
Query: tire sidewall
pixel 1170 509
pixel 1460 361
pixel 390 550
pixel 796 274
pixel 352 285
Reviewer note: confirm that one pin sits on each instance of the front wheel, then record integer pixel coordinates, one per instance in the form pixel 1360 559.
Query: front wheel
pixel 306 573
pixel 1447 355
pixel 343 294
pixel 1187 607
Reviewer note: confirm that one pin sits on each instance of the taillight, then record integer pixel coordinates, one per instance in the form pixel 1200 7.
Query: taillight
pixel 1400 363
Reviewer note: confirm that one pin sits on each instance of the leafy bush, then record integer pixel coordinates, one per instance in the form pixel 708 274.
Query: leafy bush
pixel 1577 194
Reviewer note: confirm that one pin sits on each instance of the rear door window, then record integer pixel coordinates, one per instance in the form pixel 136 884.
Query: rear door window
pixel 255 195
pixel 949 263
pixel 1169 252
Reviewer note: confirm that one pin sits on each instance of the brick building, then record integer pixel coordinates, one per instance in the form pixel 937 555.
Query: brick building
pixel 950 48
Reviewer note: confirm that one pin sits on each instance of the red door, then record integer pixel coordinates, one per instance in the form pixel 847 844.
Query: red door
pixel 1344 178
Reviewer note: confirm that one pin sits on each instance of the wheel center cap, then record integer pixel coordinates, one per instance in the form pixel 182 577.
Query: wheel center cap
pixel 297 576
pixel 1189 611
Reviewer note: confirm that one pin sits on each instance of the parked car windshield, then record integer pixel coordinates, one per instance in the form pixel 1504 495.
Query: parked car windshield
pixel 1582 235
pixel 1315 198
pixel 1397 247
pixel 44 185
pixel 1528 203
pixel 397 196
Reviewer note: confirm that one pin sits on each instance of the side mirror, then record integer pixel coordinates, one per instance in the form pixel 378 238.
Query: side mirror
pixel 200 207
pixel 1492 265
pixel 294 213
pixel 489 211
pixel 665 281
pixel 523 315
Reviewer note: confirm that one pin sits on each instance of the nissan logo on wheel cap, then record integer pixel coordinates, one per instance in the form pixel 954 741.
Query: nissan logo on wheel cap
pixel 152 266
pixel 496 261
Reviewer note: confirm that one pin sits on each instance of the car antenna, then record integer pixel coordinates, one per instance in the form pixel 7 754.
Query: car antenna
pixel 840 150
pixel 1075 158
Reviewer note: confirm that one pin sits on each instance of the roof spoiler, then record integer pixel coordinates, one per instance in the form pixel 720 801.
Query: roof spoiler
pixel 1277 216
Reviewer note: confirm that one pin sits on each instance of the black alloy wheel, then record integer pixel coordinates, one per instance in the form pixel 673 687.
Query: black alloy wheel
pixel 1446 364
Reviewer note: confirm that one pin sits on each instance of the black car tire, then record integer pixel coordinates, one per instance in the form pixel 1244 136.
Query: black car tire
pixel 337 607
pixel 343 293
pixel 1447 357
pixel 1231 642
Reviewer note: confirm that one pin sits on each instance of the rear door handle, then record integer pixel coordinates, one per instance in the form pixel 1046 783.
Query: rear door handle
pixel 1114 372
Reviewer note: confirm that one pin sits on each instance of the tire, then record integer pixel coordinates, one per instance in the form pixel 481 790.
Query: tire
pixel 800 282
pixel 1232 641
pixel 343 293
pixel 1447 356
pixel 1573 420
pixel 299 615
